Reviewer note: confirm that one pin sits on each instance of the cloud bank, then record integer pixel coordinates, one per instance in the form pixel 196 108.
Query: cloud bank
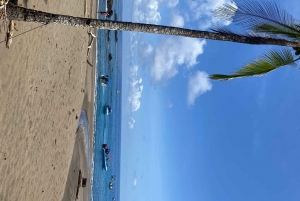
pixel 135 89
pixel 135 92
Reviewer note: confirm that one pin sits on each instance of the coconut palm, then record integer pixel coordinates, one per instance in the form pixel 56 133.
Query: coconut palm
pixel 262 23
pixel 262 18
pixel 23 14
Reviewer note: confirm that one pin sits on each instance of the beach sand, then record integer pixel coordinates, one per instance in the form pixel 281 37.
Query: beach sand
pixel 78 163
pixel 45 82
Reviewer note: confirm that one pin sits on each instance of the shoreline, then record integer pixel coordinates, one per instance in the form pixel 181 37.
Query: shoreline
pixel 82 144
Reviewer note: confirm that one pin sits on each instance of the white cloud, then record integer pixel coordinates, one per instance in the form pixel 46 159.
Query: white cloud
pixel 173 52
pixel 172 3
pixel 198 85
pixel 131 123
pixel 145 50
pixel 170 104
pixel 135 89
pixel 177 21
pixel 134 182
pixel 146 11
pixel 202 11
pixel 135 93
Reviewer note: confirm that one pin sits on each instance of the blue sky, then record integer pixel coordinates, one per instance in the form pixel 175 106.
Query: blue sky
pixel 185 137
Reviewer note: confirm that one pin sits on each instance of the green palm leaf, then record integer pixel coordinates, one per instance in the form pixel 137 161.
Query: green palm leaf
pixel 270 61
pixel 252 14
pixel 245 33
pixel 277 31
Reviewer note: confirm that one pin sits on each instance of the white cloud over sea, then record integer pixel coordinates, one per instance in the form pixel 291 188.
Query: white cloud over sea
pixel 134 92
pixel 135 89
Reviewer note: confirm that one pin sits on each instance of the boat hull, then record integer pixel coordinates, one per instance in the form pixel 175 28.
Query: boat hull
pixel 105 165
pixel 107 111
pixel 104 80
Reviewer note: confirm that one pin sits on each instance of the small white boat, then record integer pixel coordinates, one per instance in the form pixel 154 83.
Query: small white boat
pixel 111 185
pixel 105 160
pixel 105 156
pixel 108 109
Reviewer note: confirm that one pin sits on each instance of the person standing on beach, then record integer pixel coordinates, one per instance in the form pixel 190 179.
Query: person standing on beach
pixel 107 14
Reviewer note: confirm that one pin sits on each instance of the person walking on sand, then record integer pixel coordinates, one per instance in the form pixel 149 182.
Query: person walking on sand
pixel 107 14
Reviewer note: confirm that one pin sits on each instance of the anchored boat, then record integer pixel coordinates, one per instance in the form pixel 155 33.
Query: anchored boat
pixel 104 80
pixel 106 151
pixel 108 109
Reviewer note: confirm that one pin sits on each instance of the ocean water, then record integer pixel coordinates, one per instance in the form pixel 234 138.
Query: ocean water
pixel 107 128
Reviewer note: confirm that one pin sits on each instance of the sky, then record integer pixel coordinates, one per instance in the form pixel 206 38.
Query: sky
pixel 185 137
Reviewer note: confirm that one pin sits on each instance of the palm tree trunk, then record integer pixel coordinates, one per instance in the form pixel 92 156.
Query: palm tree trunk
pixel 28 15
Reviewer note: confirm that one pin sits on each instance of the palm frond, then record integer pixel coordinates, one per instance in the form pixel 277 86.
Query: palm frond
pixel 250 14
pixel 274 30
pixel 246 33
pixel 267 63
pixel 224 29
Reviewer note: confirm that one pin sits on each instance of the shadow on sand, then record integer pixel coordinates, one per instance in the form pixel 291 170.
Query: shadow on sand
pixel 78 162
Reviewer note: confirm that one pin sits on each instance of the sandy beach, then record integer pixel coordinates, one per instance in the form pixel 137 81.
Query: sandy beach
pixel 45 82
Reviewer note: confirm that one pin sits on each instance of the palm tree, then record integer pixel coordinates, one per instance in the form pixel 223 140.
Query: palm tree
pixel 23 14
pixel 262 22
pixel 262 18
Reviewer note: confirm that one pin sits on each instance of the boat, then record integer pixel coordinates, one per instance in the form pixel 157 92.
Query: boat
pixel 105 160
pixel 108 109
pixel 118 91
pixel 104 80
pixel 111 185
pixel 105 156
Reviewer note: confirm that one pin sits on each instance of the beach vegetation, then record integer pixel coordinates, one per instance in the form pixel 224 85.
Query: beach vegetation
pixel 265 19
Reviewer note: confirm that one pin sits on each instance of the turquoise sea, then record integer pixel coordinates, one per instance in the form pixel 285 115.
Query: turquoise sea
pixel 107 128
